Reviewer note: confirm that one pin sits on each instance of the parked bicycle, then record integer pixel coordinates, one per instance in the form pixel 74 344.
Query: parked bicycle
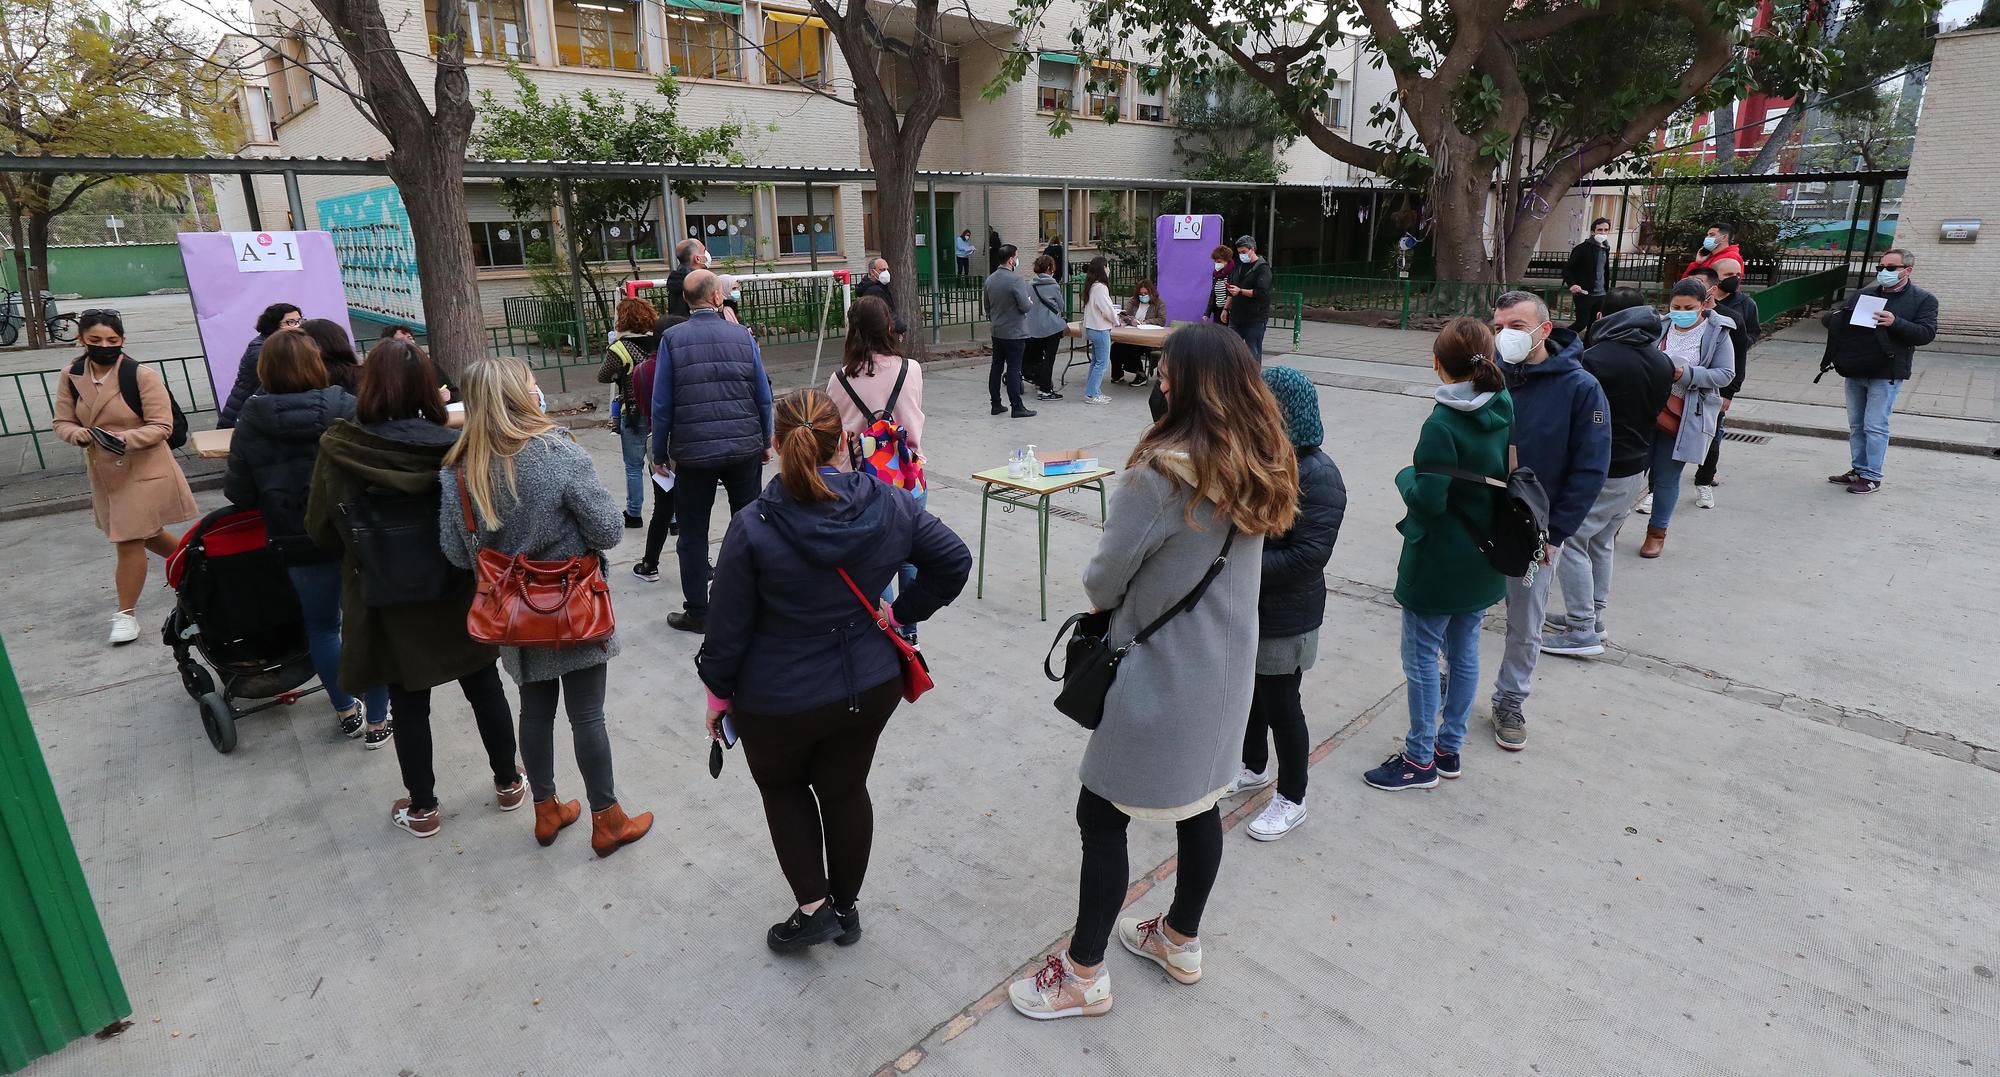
pixel 60 327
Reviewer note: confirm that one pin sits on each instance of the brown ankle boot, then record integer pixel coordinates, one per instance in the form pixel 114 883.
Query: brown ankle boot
pixel 611 828
pixel 552 815
pixel 1656 541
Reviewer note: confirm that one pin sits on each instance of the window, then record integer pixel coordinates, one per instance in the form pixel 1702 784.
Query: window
pixel 794 49
pixel 492 29
pixel 1050 214
pixel 510 244
pixel 899 78
pixel 598 33
pixel 725 223
pixel 1056 79
pixel 1106 86
pixel 295 86
pixel 1102 209
pixel 802 233
pixel 868 221
pixel 1152 102
pixel 608 243
pixel 1335 113
pixel 701 41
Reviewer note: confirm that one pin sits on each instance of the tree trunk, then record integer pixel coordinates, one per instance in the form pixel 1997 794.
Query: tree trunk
pixel 18 238
pixel 1458 202
pixel 433 189
pixel 896 231
pixel 1724 132
pixel 38 260
pixel 1775 142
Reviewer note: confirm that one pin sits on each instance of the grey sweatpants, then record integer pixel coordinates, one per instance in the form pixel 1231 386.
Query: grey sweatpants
pixel 1525 604
pixel 1584 569
pixel 582 692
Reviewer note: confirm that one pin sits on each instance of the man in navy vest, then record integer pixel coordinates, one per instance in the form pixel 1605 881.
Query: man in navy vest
pixel 711 424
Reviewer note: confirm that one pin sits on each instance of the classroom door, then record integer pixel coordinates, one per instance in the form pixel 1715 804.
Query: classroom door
pixel 945 236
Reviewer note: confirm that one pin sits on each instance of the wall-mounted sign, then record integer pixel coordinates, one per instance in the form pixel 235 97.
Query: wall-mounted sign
pixel 1187 226
pixel 1964 230
pixel 266 252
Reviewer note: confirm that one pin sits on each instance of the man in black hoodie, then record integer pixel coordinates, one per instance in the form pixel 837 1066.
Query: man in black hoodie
pixel 1625 358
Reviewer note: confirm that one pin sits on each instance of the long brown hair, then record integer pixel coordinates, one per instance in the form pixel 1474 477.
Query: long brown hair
pixel 1464 350
pixel 1223 418
pixel 398 381
pixel 871 331
pixel 808 434
pixel 289 362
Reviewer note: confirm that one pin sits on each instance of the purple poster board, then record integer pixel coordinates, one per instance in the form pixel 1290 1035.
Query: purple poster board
pixel 233 276
pixel 1186 273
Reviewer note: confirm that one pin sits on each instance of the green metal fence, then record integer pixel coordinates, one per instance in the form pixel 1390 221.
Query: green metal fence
pixel 28 400
pixel 1787 296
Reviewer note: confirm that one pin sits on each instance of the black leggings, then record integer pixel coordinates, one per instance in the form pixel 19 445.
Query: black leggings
pixel 812 768
pixel 581 691
pixel 412 711
pixel 1105 877
pixel 660 526
pixel 1128 358
pixel 1038 368
pixel 1705 474
pixel 1275 706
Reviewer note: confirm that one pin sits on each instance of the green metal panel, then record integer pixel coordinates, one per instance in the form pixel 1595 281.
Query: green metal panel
pixel 57 979
pixel 109 270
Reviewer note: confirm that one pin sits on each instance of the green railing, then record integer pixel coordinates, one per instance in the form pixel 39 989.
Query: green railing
pixel 1413 301
pixel 1787 296
pixel 28 401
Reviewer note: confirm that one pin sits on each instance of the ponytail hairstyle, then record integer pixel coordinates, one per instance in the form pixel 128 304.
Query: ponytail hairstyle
pixel 808 434
pixel 1464 350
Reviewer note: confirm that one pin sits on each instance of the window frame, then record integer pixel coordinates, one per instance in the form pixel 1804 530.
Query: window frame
pixel 1139 102
pixel 799 22
pixel 675 16
pixel 488 20
pixel 483 240
pixel 605 9
pixel 743 244
pixel 1094 102
pixel 1065 98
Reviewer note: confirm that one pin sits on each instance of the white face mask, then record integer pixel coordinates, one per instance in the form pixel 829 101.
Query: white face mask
pixel 883 276
pixel 1513 345
pixel 1221 265
pixel 1604 238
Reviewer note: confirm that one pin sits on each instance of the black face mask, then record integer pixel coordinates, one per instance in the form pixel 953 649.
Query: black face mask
pixel 103 353
pixel 1730 284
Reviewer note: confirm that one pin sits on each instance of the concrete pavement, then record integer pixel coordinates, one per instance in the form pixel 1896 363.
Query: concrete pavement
pixel 1796 727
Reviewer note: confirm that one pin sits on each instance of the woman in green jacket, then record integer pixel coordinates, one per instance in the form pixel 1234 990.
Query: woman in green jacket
pixel 391 450
pixel 1443 581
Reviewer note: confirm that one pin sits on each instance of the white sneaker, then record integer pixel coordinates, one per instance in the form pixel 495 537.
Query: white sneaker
pixel 1645 507
pixel 1704 497
pixel 1247 779
pixel 124 628
pixel 1054 991
pixel 1277 819
pixel 1149 940
pixel 1099 399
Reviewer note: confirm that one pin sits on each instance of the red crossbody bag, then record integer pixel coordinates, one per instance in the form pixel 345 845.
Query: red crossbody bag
pixel 916 671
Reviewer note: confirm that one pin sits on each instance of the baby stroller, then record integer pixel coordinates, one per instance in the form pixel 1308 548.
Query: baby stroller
pixel 236 606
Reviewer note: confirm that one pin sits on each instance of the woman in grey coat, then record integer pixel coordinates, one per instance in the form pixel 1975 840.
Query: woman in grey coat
pixel 1697 339
pixel 1047 324
pixel 1216 471
pixel 532 491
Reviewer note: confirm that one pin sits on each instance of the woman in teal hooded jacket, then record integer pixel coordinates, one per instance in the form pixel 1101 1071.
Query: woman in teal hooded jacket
pixel 1443 581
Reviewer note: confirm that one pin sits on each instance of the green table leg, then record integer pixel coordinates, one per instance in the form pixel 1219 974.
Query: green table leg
pixel 1042 511
pixel 985 498
pixel 1103 506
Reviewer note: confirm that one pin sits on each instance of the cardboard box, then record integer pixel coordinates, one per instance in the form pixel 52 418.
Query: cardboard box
pixel 1067 462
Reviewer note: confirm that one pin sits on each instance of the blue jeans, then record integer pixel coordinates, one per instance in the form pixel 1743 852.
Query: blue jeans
pixel 1252 332
pixel 906 575
pixel 1666 479
pixel 1869 402
pixel 1424 635
pixel 1100 361
pixel 318 588
pixel 633 444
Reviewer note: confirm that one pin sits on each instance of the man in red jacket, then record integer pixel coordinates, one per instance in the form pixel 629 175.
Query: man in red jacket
pixel 1718 252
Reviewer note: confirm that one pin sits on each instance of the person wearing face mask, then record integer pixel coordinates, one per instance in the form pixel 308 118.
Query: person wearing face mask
pixel 1697 340
pixel 876 284
pixel 1249 295
pixel 1218 292
pixel 1009 299
pixel 1729 298
pixel 964 249
pixel 1144 308
pixel 137 493
pixel 1047 325
pixel 1718 252
pixel 732 298
pixel 1876 360
pixel 1562 431
pixel 1588 273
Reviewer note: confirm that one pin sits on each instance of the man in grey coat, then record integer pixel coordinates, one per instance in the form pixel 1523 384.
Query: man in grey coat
pixel 1008 302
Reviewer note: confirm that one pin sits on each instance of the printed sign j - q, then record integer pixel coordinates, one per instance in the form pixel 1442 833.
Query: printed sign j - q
pixel 233 276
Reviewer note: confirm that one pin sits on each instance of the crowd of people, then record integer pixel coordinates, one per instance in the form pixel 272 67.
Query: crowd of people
pixel 1214 552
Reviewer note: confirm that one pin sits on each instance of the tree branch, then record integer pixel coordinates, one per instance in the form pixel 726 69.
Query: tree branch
pixel 1278 82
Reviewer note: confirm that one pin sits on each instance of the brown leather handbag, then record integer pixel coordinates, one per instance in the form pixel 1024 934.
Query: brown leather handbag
pixel 523 603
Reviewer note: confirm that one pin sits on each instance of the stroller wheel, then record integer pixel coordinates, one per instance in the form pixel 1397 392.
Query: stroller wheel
pixel 196 680
pixel 220 722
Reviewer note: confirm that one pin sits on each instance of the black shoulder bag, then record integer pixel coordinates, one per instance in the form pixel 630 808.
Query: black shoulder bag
pixel 1090 662
pixel 1518 540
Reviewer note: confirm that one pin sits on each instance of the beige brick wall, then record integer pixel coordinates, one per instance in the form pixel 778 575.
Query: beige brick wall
pixel 1952 171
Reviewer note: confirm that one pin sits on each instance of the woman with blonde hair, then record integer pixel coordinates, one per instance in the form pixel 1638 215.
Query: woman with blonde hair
pixel 795 658
pixel 528 489
pixel 1203 489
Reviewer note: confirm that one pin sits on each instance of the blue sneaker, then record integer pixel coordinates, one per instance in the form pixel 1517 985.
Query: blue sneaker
pixel 1399 772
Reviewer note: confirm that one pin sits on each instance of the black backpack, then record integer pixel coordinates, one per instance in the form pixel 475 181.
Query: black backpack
pixel 394 540
pixel 1520 533
pixel 128 387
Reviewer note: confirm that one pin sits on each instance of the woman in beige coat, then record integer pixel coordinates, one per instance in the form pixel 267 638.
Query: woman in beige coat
pixel 136 495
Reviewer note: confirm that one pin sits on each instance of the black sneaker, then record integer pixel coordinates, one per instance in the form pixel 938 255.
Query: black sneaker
pixel 688 622
pixel 1398 772
pixel 1447 764
pixel 1139 382
pixel 378 735
pixel 1118 379
pixel 1048 394
pixel 802 931
pixel 351 722
pixel 648 572
pixel 849 920
pixel 1022 413
pixel 999 409
pixel 633 522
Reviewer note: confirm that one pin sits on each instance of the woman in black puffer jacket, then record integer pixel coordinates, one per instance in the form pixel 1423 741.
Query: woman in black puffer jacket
pixel 1291 603
pixel 275 317
pixel 271 460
